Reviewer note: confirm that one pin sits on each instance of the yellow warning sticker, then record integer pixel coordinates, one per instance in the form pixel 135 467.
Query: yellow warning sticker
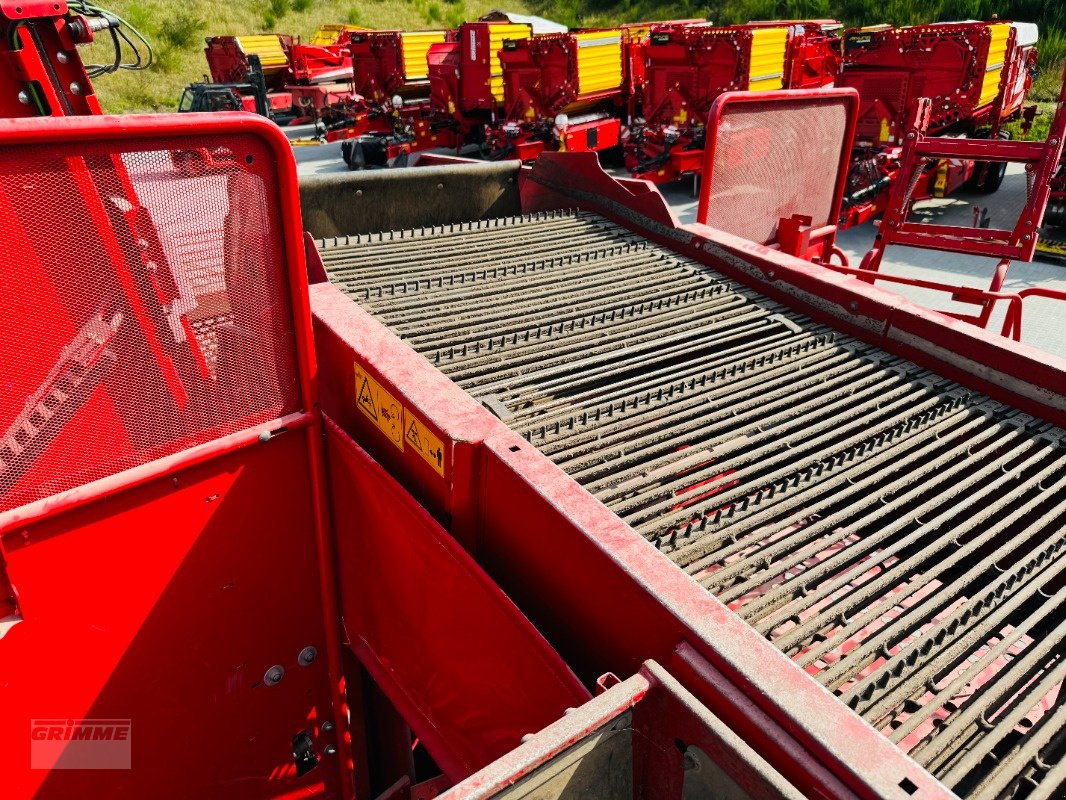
pixel 382 408
pixel 423 441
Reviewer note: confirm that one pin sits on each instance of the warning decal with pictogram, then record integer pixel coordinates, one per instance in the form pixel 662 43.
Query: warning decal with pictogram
pixel 379 406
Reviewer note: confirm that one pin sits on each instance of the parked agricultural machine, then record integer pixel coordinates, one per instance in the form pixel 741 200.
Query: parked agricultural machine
pixel 293 81
pixel 562 91
pixel 483 480
pixel 391 74
pixel 466 78
pixel 686 67
pixel 977 76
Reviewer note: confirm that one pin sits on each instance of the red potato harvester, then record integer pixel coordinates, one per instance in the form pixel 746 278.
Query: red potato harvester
pixel 466 78
pixel 977 75
pixel 687 66
pixel 561 91
pixel 288 81
pixel 390 72
pixel 430 89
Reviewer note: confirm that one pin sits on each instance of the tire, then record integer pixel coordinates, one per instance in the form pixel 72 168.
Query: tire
pixel 987 175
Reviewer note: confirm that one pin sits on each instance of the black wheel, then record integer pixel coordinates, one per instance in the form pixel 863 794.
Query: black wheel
pixel 987 175
pixel 348 147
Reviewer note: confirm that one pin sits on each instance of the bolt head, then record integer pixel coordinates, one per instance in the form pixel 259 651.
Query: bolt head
pixel 24 98
pixel 307 656
pixel 75 87
pixel 62 57
pixel 274 675
pixel 331 750
pixel 327 726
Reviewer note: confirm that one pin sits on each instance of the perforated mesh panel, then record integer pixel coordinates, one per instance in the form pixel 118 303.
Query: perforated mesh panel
pixel 145 306
pixel 774 159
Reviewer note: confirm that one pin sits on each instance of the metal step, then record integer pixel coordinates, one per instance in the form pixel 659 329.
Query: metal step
pixel 899 536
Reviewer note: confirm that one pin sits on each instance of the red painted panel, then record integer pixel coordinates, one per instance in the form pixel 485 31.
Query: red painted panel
pixel 166 605
pixel 163 593
pixel 469 672
pixel 346 334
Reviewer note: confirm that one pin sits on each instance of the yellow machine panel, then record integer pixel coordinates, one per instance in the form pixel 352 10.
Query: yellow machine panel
pixel 497 35
pixel 767 69
pixel 327 34
pixel 637 33
pixel 997 54
pixel 416 46
pixel 599 61
pixel 268 47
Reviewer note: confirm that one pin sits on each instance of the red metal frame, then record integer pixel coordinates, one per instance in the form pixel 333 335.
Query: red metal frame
pixel 670 733
pixel 468 672
pixel 614 600
pixel 818 241
pixel 42 84
pixel 1041 160
pixel 104 502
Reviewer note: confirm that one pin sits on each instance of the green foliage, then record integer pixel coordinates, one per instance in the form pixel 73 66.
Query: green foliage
pixel 300 6
pixel 181 31
pixel 455 14
pixel 275 11
pixel 355 16
pixel 433 12
pixel 1052 50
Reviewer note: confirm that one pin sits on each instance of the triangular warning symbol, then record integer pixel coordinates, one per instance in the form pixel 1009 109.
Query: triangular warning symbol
pixel 366 399
pixel 413 437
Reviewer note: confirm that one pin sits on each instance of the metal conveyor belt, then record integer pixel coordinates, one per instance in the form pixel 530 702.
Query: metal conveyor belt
pixel 899 536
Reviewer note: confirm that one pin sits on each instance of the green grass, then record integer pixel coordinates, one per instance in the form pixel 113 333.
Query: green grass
pixel 1045 93
pixel 177 28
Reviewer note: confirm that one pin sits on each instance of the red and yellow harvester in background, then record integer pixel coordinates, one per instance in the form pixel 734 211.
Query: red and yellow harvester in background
pixel 977 75
pixel 688 66
pixel 279 76
pixel 466 78
pixel 387 64
pixel 390 75
pixel 562 91
pixel 229 64
pixel 426 89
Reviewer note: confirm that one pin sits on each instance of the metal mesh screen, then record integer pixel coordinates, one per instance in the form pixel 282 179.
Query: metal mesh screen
pixel 145 305
pixel 773 159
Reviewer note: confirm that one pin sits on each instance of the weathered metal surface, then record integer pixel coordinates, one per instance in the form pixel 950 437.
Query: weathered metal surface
pixel 338 204
pixel 896 534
